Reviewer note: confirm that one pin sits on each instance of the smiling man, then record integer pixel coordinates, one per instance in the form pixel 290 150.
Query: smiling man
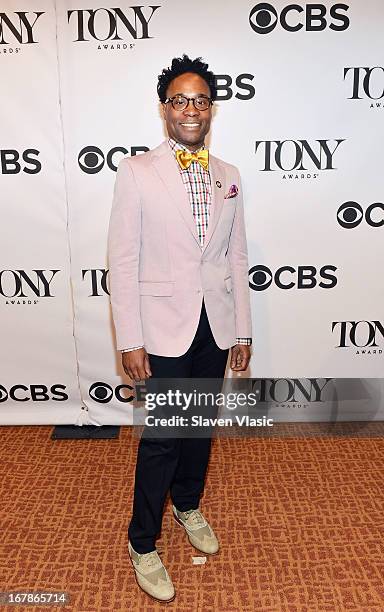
pixel 178 274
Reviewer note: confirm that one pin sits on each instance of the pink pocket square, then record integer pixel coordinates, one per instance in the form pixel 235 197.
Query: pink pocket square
pixel 232 193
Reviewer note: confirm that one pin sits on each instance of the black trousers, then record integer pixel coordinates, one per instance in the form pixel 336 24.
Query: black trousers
pixel 177 465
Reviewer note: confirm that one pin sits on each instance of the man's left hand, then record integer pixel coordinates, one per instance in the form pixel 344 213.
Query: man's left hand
pixel 240 356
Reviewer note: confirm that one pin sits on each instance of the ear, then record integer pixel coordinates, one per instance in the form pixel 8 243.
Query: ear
pixel 164 108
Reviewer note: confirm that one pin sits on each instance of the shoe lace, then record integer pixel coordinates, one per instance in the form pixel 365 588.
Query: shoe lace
pixel 150 559
pixel 195 517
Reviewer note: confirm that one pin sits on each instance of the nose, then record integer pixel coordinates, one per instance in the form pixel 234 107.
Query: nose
pixel 191 111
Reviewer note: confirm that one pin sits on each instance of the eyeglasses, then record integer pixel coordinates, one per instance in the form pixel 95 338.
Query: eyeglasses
pixel 180 103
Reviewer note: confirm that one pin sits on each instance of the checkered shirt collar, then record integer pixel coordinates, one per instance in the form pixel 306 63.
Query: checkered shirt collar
pixel 177 146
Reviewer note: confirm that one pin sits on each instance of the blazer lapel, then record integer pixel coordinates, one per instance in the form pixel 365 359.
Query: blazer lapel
pixel 166 166
pixel 218 190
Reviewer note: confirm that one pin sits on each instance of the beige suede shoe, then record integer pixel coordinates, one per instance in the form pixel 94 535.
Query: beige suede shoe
pixel 151 575
pixel 200 533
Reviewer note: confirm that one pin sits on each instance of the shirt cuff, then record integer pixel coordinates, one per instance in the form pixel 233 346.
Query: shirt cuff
pixel 247 341
pixel 134 348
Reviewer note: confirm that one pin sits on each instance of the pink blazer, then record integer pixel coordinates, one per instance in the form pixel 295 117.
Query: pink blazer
pixel 159 274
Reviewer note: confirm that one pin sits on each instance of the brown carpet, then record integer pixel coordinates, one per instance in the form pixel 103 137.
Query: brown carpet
pixel 300 523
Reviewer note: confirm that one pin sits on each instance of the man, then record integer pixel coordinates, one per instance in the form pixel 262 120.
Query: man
pixel 178 274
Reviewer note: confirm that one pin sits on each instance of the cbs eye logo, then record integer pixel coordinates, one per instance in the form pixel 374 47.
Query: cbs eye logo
pixel 261 278
pixel 91 159
pixel 287 277
pixel 103 393
pixel 351 214
pixel 263 18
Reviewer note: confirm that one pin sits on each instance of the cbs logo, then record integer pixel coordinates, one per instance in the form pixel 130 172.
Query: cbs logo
pixel 225 88
pixel 36 393
pixel 287 277
pixel 10 159
pixel 351 214
pixel 91 159
pixel 263 18
pixel 103 393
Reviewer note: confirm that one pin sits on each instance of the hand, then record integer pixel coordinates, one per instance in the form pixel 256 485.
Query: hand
pixel 240 356
pixel 136 364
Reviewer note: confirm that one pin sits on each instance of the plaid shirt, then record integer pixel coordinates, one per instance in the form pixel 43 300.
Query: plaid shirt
pixel 197 182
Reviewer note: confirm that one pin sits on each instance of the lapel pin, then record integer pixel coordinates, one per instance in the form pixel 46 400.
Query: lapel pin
pixel 218 184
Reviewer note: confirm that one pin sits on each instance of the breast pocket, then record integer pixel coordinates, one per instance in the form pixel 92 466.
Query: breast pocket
pixel 156 288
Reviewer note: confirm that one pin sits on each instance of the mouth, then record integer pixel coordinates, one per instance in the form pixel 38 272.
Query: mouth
pixel 190 125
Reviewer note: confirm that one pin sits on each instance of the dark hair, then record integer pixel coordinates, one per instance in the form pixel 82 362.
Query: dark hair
pixel 179 66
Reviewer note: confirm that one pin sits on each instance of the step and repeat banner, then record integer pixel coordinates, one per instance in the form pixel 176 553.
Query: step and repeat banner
pixel 299 111
pixel 38 376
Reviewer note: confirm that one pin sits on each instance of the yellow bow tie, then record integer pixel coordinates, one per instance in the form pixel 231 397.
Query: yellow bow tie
pixel 185 158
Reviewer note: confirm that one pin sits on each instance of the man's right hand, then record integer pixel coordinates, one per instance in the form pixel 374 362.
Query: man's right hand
pixel 136 364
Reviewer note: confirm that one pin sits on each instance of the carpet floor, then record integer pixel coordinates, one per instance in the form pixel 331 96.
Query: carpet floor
pixel 300 521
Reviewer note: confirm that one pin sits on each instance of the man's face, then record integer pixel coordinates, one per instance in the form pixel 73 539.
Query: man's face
pixel 190 126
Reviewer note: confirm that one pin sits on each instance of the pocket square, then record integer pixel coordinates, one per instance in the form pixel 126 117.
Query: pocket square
pixel 232 193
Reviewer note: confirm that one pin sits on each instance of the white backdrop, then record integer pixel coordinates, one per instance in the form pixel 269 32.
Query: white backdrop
pixel 38 381
pixel 302 121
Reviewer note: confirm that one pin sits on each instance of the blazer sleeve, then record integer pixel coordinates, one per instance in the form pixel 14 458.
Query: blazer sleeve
pixel 238 261
pixel 124 237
